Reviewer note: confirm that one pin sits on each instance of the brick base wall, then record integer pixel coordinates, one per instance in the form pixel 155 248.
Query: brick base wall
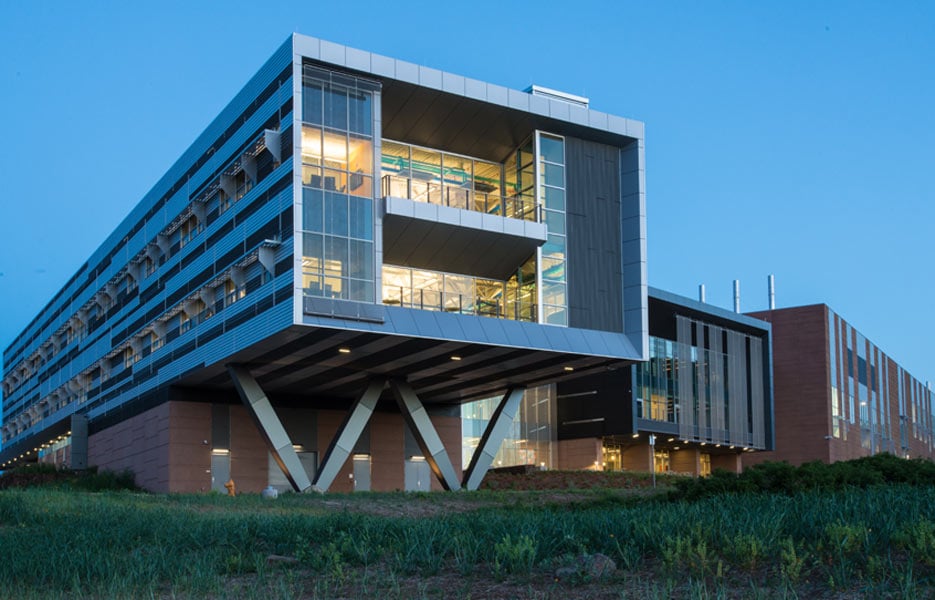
pixel 140 444
pixel 579 454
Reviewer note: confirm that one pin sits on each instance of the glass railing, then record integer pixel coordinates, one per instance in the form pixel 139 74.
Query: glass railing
pixel 520 206
pixel 459 294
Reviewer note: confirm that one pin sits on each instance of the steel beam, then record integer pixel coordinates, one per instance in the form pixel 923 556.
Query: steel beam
pixel 344 440
pixel 421 426
pixel 495 432
pixel 270 427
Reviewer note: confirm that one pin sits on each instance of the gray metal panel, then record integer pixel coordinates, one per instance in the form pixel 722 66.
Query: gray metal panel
pixel 79 442
pixel 686 372
pixel 594 266
pixel 220 427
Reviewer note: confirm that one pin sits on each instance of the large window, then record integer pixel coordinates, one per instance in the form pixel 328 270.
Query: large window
pixel 337 151
pixel 452 292
pixel 551 193
pixel 529 441
pixel 437 177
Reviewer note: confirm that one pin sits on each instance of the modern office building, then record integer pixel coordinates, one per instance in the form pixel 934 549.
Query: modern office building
pixel 351 250
pixel 838 396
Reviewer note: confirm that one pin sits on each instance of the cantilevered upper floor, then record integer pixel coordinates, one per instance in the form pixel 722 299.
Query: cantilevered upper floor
pixel 463 235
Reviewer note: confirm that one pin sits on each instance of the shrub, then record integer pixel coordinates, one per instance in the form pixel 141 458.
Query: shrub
pixel 783 478
pixel 46 475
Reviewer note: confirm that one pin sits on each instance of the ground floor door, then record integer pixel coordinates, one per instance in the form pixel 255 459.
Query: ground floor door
pixel 220 471
pixel 362 473
pixel 418 476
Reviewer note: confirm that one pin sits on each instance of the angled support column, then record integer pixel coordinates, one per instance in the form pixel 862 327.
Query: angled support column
pixel 344 440
pixel 421 426
pixel 497 428
pixel 270 427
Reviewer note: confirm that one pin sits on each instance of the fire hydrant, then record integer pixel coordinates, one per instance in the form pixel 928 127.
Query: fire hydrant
pixel 231 488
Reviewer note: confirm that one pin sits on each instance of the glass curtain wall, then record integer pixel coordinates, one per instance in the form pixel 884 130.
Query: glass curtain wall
pixel 529 441
pixel 437 177
pixel 337 156
pixel 711 390
pixel 451 292
pixel 551 194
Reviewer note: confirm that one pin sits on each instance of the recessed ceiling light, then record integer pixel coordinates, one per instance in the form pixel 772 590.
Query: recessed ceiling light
pixel 455 357
pixel 636 435
pixel 344 350
pixel 569 369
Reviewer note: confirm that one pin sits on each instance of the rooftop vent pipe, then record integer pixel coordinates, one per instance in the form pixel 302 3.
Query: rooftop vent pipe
pixel 701 293
pixel 736 295
pixel 771 284
pixel 538 90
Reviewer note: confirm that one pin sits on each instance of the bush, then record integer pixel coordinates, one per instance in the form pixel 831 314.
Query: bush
pixel 46 475
pixel 783 478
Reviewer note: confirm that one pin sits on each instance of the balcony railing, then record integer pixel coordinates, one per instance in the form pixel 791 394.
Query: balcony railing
pixel 458 303
pixel 520 206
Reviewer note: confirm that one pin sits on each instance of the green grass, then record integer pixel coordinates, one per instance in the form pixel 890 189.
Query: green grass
pixel 872 542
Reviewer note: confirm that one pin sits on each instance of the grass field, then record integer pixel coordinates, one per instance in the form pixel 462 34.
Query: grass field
pixel 873 542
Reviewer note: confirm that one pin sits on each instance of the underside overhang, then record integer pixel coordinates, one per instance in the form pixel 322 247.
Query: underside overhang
pixel 326 364
pixel 456 240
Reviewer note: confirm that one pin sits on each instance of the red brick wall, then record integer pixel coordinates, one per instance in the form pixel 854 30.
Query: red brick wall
pixel 728 462
pixel 249 452
pixel 140 444
pixel 387 446
pixel 801 384
pixel 638 458
pixel 189 456
pixel 328 423
pixel 449 430
pixel 579 454
pixel 686 461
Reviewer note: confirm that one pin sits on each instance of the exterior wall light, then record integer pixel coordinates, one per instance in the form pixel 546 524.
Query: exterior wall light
pixel 344 350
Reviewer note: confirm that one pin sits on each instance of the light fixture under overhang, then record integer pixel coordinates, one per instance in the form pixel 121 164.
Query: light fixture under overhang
pixel 569 369
pixel 454 357
pixel 344 350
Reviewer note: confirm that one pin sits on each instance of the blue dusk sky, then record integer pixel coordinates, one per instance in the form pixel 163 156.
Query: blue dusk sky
pixel 795 137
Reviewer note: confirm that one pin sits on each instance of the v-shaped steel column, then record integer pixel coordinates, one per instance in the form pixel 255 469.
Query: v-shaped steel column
pixel 496 430
pixel 270 427
pixel 426 436
pixel 344 440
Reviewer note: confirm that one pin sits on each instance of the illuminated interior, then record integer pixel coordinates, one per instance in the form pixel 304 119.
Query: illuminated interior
pixel 436 177
pixel 462 294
